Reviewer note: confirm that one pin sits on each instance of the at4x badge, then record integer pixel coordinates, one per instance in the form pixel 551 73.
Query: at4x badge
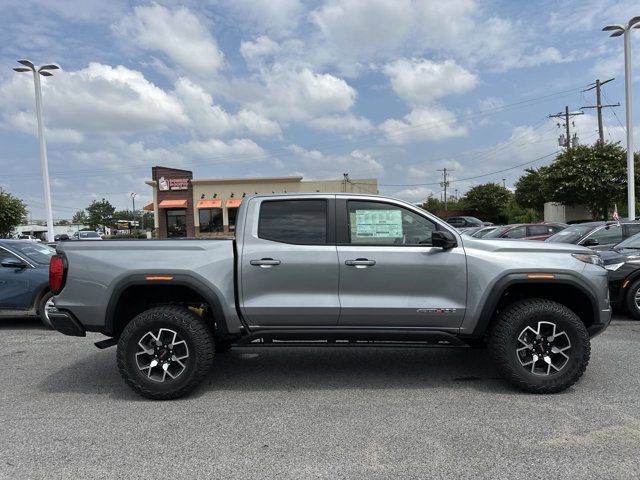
pixel 437 310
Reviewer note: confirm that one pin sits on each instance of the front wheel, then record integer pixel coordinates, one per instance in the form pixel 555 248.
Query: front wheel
pixel 633 300
pixel 540 346
pixel 165 352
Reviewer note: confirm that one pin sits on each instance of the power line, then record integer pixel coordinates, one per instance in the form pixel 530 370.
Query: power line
pixel 469 178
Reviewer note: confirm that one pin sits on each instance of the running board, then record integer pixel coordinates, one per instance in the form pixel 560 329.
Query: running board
pixel 106 343
pixel 350 338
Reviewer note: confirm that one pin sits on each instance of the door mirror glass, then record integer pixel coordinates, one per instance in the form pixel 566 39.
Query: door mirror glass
pixel 443 239
pixel 12 263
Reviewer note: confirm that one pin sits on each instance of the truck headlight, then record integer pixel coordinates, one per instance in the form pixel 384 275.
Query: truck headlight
pixel 589 258
pixel 614 266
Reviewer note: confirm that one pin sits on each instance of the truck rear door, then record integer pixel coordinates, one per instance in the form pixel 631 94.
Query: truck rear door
pixel 289 262
pixel 390 275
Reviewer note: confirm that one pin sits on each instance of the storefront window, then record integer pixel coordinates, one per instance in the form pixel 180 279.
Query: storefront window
pixel 177 223
pixel 210 220
pixel 232 212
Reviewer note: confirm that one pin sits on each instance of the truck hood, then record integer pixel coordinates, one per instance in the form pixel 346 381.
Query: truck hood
pixel 524 246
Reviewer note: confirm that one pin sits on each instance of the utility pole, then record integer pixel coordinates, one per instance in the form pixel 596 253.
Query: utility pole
pixel 567 116
pixel 504 185
pixel 445 184
pixel 597 85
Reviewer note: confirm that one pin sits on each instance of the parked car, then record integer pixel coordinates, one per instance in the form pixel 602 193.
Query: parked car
pixel 24 277
pixel 61 237
pixel 30 238
pixel 596 235
pixel 482 232
pixel 327 269
pixel 462 222
pixel 527 231
pixel 87 235
pixel 623 264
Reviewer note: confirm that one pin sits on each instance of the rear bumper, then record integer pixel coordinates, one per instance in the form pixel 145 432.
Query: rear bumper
pixel 66 323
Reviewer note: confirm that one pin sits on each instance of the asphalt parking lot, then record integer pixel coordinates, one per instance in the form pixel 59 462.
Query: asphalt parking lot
pixel 314 413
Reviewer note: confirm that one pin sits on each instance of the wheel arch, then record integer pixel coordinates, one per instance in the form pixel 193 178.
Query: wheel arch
pixel 562 288
pixel 136 294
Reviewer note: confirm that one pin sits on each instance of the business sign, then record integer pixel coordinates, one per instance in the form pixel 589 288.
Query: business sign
pixel 165 184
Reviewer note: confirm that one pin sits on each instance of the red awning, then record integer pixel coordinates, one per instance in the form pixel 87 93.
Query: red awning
pixel 233 202
pixel 209 204
pixel 148 208
pixel 173 204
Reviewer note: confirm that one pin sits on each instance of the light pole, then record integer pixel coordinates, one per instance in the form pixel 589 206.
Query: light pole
pixel 44 71
pixel 133 201
pixel 626 31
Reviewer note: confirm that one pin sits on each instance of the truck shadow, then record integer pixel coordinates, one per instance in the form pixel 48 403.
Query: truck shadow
pixel 295 369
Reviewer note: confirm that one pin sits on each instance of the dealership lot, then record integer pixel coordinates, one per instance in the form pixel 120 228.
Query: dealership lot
pixel 302 413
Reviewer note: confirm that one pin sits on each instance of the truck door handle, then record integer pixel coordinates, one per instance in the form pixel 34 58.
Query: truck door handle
pixel 265 262
pixel 360 263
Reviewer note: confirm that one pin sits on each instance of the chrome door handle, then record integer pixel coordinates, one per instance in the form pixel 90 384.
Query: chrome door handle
pixel 265 262
pixel 360 263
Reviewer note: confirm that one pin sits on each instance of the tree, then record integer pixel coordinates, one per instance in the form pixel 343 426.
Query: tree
pixel 12 211
pixel 100 213
pixel 80 217
pixel 531 189
pixel 594 176
pixel 488 201
pixel 433 204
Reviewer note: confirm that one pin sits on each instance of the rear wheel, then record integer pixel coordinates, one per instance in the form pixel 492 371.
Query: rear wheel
pixel 540 346
pixel 633 300
pixel 45 302
pixel 165 352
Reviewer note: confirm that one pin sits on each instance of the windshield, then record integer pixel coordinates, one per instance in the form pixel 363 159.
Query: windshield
pixel 38 253
pixel 497 232
pixel 631 242
pixel 570 234
pixel 89 235
pixel 484 232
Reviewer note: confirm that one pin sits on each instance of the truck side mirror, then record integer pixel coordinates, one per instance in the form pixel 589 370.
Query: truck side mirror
pixel 443 239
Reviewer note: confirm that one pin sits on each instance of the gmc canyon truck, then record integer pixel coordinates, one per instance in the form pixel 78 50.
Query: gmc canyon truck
pixel 335 270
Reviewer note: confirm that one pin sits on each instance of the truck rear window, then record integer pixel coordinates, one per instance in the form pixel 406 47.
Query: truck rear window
pixel 302 222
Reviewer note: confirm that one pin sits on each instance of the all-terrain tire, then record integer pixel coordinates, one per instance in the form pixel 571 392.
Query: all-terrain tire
pixel 188 327
pixel 504 344
pixel 630 301
pixel 41 309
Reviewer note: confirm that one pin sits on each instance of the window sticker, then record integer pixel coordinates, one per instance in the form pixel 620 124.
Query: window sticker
pixel 379 223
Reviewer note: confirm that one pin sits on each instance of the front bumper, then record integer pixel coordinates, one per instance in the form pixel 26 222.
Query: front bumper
pixel 66 323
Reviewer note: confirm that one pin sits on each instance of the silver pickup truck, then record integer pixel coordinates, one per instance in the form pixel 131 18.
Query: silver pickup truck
pixel 335 270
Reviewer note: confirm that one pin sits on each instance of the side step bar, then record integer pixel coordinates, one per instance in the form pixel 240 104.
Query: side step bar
pixel 351 338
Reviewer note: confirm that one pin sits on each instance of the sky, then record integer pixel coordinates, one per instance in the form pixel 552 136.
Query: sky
pixel 392 89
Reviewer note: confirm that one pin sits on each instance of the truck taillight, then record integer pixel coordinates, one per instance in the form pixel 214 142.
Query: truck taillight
pixel 56 274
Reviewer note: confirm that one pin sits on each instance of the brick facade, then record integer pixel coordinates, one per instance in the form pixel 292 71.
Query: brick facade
pixel 174 173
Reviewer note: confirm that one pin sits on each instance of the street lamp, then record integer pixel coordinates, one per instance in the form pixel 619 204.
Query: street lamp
pixel 626 31
pixel 44 71
pixel 133 201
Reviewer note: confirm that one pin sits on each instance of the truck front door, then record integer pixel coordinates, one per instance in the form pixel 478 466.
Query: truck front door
pixel 390 275
pixel 289 263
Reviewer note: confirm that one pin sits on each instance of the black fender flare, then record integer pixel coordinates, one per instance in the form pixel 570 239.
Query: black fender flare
pixel 501 285
pixel 177 280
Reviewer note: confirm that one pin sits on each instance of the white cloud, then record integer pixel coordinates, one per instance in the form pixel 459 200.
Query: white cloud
pixel 275 17
pixel 178 34
pixel 316 165
pixel 421 80
pixel 218 151
pixel 99 98
pixel 209 119
pixel 254 52
pixel 346 124
pixel 300 94
pixel 414 194
pixel 427 123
